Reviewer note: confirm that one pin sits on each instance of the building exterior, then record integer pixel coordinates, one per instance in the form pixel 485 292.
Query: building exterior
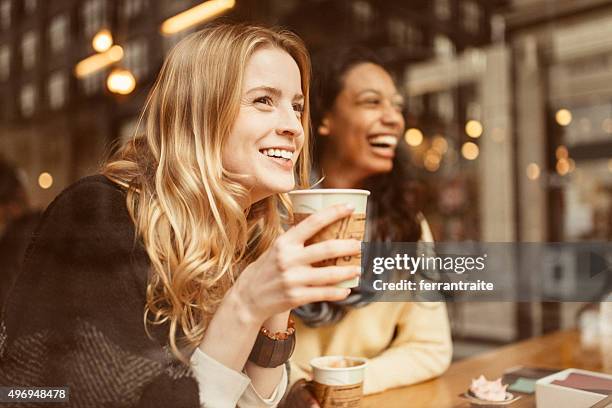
pixel 53 122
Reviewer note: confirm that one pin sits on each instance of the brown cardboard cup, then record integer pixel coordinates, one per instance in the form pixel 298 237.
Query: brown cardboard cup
pixel 338 381
pixel 307 202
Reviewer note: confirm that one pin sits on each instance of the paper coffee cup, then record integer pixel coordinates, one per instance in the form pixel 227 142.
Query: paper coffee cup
pixel 338 381
pixel 307 202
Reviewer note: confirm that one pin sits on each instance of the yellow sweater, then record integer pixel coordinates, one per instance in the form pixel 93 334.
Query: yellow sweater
pixel 406 342
pixel 420 349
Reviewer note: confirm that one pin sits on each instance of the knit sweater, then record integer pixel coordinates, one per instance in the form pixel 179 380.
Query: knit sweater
pixel 75 316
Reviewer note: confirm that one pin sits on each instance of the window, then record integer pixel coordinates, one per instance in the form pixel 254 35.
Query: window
pixel 92 83
pixel 471 16
pixel 362 14
pixel 58 33
pixel 94 17
pixel 29 6
pixel 396 30
pixel 403 33
pixel 442 9
pixel 5 62
pixel 444 105
pixel 136 57
pixel 362 10
pixel 443 47
pixel 133 8
pixel 27 100
pixel 57 90
pixel 28 49
pixel 5 14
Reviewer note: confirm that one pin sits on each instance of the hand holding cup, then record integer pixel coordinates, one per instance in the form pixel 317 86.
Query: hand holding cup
pixel 284 277
pixel 307 202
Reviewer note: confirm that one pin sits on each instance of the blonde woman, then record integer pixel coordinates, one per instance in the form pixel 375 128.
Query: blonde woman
pixel 165 281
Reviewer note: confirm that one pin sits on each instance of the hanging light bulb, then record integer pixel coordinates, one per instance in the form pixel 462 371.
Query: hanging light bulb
pixel 121 81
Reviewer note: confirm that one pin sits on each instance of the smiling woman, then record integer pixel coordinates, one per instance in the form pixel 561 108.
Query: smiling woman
pixel 165 281
pixel 268 134
pixel 362 128
pixel 359 123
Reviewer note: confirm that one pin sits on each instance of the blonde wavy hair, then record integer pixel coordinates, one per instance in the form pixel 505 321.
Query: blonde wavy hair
pixel 185 205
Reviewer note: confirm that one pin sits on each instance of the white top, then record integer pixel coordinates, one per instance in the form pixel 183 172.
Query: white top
pixel 222 387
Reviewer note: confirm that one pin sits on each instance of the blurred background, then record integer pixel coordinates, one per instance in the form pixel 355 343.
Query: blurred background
pixel 509 114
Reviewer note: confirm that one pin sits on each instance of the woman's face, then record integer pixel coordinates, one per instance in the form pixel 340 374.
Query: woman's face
pixel 267 136
pixel 365 122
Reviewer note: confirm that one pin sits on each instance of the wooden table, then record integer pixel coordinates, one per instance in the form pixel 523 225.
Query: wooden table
pixel 557 350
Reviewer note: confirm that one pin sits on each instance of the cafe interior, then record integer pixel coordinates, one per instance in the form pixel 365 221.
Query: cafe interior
pixel 508 124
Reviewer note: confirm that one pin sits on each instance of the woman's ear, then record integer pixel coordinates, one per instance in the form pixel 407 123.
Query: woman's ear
pixel 323 129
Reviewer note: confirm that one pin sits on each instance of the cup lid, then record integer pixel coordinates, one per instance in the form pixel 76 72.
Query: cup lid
pixel 322 363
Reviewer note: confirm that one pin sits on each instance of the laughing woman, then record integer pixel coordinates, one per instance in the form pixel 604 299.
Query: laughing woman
pixel 166 281
pixel 357 115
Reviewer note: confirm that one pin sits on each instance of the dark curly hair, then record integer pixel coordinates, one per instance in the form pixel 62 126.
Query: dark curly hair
pixel 396 194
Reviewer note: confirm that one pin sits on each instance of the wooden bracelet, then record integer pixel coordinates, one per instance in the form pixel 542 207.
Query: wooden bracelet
pixel 273 349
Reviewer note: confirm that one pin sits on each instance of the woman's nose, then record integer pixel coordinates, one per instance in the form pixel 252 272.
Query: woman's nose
pixel 289 124
pixel 392 116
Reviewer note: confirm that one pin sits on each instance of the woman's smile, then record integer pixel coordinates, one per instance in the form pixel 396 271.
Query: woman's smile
pixel 383 145
pixel 280 156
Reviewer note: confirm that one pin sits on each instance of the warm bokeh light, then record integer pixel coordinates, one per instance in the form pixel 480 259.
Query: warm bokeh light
pixel 473 128
pixel 195 15
pixel 432 160
pixel 470 150
pixel 96 62
pixel 414 137
pixel 102 41
pixel 563 167
pixel 533 171
pixel 45 180
pixel 563 117
pixel 572 165
pixel 561 152
pixel 121 81
pixel 439 144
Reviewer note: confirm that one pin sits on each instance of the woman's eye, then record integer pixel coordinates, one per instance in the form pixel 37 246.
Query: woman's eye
pixel 371 102
pixel 298 107
pixel 265 100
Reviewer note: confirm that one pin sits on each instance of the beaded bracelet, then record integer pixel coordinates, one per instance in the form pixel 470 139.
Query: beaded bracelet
pixel 273 349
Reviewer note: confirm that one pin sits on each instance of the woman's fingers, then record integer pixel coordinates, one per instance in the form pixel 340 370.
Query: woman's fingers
pixel 305 294
pixel 309 397
pixel 306 396
pixel 300 396
pixel 333 248
pixel 317 221
pixel 323 276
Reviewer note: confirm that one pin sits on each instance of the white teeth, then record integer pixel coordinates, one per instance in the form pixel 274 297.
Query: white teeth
pixel 285 154
pixel 384 140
